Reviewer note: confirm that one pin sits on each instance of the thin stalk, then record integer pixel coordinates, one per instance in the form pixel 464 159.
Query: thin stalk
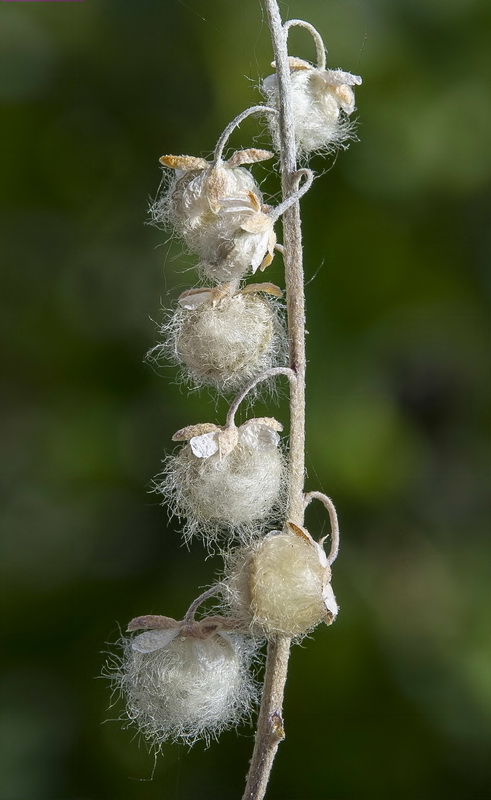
pixel 318 40
pixel 270 722
pixel 270 373
pixel 296 196
pixel 220 146
pixel 211 592
pixel 333 518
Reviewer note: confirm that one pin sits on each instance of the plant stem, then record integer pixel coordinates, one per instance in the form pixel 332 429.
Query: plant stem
pixel 220 146
pixel 319 42
pixel 270 722
pixel 211 592
pixel 333 518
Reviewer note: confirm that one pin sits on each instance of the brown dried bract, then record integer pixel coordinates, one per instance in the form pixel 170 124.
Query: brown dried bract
pixel 184 162
pixel 190 431
pixel 250 156
pixel 152 622
pixel 267 288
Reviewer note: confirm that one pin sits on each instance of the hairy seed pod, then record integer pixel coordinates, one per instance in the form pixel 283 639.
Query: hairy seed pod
pixel 225 342
pixel 226 479
pixel 186 687
pixel 322 103
pixel 208 205
pixel 195 201
pixel 281 584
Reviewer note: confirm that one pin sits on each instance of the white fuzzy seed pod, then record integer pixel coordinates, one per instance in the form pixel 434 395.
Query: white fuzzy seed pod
pixel 225 480
pixel 322 102
pixel 222 341
pixel 186 687
pixel 281 584
pixel 196 205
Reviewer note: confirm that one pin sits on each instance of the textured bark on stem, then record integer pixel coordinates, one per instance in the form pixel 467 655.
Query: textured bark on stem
pixel 270 722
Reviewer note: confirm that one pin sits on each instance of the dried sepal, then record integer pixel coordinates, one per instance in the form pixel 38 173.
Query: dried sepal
pixel 150 621
pixel 267 288
pixel 193 298
pixel 250 156
pixel 184 163
pixel 184 434
pixel 295 63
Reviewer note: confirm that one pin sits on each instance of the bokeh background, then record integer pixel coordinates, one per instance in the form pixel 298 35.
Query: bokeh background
pixel 393 701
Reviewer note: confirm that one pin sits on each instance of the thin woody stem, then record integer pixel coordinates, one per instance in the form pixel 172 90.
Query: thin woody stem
pixel 270 373
pixel 270 722
pixel 218 154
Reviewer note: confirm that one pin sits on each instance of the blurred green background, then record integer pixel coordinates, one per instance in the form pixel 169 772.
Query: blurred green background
pixel 393 701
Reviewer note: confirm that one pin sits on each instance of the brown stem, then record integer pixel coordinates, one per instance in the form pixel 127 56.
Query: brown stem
pixel 270 722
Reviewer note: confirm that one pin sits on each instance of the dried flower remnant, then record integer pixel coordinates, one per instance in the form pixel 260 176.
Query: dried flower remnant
pixel 225 478
pixel 186 680
pixel 223 338
pixel 281 584
pixel 323 100
pixel 193 203
pixel 251 247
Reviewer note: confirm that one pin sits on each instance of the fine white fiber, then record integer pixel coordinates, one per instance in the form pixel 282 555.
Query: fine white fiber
pixel 187 688
pixel 281 584
pixel 222 342
pixel 224 483
pixel 322 101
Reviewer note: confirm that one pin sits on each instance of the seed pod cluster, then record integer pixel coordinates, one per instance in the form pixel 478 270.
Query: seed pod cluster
pixel 190 679
pixel 222 335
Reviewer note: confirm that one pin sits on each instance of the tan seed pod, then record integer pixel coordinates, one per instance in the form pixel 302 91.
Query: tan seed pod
pixel 281 584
